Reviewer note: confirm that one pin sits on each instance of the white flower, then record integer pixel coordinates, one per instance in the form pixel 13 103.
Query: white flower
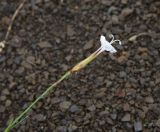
pixel 106 46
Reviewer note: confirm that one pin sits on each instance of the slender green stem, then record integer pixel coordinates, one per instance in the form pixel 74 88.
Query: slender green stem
pixel 76 68
pixel 29 108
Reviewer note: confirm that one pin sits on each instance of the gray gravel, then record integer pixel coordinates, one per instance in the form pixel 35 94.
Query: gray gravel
pixel 50 37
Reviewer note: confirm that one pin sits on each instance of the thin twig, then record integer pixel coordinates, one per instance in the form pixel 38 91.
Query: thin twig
pixel 13 18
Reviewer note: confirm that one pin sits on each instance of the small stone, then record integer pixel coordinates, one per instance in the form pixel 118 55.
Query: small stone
pixel 8 103
pixel 89 44
pixel 3 58
pixel 65 105
pixel 114 116
pixel 126 117
pixel 12 84
pixel 108 83
pixel 123 74
pixel 65 67
pixel 72 128
pixel 5 20
pixel 3 97
pixel 157 80
pixel 158 123
pixel 70 30
pixel 2 109
pixel 46 74
pixel 126 107
pixel 31 78
pixel 5 92
pixel 129 126
pixel 115 19
pixel 132 102
pixel 142 49
pixel 125 13
pixel 131 91
pixel 55 100
pixel 37 1
pixel 149 100
pixel 155 107
pixel 106 2
pixel 57 40
pixel 20 70
pixel 16 41
pixel 68 58
pixel 91 108
pixel 114 129
pixel 103 113
pixel 124 1
pixel 99 104
pixel 122 59
pixel 145 109
pixel 100 94
pixel 17 60
pixel 144 56
pixel 138 126
pixel 61 129
pixel 39 117
pixel 109 121
pixel 30 59
pixel 141 114
pixel 74 108
pixel 101 122
pixel 1 49
pixel 120 93
pixel 44 44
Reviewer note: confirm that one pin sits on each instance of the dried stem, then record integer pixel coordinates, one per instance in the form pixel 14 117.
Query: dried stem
pixel 13 18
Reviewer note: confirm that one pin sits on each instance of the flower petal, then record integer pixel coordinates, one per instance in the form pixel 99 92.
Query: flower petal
pixel 106 46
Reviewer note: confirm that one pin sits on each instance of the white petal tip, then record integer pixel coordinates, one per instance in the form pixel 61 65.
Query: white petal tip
pixel 106 46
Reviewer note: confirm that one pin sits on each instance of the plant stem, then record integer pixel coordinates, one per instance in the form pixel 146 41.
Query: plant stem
pixel 13 18
pixel 29 108
pixel 76 68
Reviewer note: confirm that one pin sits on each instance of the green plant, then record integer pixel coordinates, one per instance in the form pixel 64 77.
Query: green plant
pixel 105 46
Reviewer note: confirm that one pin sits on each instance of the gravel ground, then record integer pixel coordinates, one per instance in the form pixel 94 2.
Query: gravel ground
pixel 117 93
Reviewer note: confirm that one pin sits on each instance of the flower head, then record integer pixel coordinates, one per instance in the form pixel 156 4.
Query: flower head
pixel 106 46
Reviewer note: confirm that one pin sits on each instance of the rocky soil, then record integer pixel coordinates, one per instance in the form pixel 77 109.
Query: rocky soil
pixel 116 93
